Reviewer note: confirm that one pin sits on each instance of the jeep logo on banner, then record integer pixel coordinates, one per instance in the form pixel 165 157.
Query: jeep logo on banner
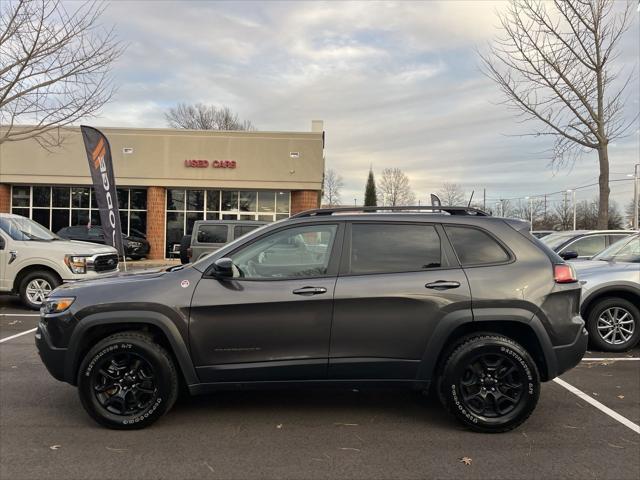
pixel 104 184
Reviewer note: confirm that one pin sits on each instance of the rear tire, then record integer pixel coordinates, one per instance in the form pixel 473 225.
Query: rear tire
pixel 127 381
pixel 185 243
pixel 36 286
pixel 601 321
pixel 490 383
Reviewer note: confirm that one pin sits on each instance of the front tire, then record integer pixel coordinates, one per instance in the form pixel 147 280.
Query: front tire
pixel 613 325
pixel 490 383
pixel 127 381
pixel 36 286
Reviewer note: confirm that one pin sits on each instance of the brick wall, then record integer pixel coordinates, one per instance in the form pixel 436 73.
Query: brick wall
pixel 302 200
pixel 5 197
pixel 155 221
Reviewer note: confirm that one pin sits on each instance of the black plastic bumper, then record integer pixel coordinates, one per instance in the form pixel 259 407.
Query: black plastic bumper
pixel 52 357
pixel 568 356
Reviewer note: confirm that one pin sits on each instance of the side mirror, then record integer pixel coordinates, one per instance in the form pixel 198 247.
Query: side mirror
pixel 1 243
pixel 569 255
pixel 222 268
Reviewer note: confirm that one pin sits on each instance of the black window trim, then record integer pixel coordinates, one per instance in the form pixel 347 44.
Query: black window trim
pixel 507 250
pixel 332 266
pixel 345 264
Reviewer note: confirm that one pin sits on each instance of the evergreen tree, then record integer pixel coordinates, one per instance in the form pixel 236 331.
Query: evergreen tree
pixel 370 196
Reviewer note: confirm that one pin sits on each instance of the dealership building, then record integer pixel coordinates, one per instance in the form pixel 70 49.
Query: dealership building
pixel 167 179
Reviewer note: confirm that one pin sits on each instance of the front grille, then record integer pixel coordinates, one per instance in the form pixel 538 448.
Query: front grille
pixel 105 263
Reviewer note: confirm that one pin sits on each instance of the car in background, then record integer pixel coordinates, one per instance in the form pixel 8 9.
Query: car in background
pixel 210 235
pixel 583 244
pixel 611 295
pixel 34 261
pixel 135 247
pixel 542 233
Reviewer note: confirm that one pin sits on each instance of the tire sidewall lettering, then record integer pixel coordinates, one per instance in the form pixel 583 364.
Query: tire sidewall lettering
pixel 108 349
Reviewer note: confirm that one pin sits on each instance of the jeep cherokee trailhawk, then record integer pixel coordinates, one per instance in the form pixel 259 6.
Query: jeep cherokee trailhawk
pixel 470 305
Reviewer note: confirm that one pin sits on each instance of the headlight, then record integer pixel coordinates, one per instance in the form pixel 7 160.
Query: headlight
pixel 76 263
pixel 56 305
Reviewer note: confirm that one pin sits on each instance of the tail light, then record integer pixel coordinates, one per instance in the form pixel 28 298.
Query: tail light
pixel 564 273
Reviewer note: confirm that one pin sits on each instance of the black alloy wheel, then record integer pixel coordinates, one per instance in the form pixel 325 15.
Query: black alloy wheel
pixel 125 384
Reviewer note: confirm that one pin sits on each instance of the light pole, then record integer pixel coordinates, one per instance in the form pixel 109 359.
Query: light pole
pixel 573 200
pixel 530 212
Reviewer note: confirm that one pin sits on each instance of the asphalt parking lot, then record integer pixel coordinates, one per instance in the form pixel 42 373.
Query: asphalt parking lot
pixel 367 434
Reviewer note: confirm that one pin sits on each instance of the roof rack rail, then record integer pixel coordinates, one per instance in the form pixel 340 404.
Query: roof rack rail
pixel 431 208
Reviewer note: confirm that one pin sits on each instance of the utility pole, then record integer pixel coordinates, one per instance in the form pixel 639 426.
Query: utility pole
pixel 564 210
pixel 530 212
pixel 573 201
pixel 636 192
pixel 484 199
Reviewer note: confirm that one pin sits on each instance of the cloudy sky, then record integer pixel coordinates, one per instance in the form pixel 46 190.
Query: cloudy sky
pixel 397 84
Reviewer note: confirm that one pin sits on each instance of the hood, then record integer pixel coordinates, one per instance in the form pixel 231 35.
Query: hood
pixel 596 267
pixel 121 278
pixel 71 247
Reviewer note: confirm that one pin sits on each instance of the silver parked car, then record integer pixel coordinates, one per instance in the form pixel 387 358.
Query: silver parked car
pixel 611 295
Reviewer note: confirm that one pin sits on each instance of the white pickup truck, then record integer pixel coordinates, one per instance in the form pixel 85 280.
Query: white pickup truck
pixel 34 260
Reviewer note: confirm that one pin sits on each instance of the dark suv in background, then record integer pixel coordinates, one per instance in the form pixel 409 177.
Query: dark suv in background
pixel 135 247
pixel 470 305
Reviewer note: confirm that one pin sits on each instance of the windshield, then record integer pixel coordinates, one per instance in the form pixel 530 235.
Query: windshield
pixel 556 239
pixel 22 228
pixel 625 250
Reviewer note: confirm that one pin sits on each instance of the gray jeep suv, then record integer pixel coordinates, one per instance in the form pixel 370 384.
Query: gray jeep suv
pixel 470 305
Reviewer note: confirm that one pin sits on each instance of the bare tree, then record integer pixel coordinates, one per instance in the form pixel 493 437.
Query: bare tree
pixel 629 212
pixel 54 67
pixel 553 63
pixel 451 194
pixel 394 188
pixel 529 210
pixel 332 186
pixel 205 117
pixel 563 211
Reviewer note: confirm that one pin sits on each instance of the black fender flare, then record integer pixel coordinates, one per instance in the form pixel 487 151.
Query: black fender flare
pixel 157 319
pixel 437 343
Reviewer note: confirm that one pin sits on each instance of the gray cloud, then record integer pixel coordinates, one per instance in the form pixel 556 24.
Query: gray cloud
pixel 396 83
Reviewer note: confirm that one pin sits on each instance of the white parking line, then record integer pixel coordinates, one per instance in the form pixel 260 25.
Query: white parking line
pixel 611 359
pixel 603 408
pixel 6 339
pixel 19 314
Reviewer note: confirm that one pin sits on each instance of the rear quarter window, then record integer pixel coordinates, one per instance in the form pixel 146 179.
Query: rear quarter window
pixel 475 247
pixel 212 234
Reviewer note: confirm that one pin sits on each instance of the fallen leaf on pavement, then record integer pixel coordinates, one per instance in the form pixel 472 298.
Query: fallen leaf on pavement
pixel 466 460
pixel 279 426
pixel 55 447
pixel 620 397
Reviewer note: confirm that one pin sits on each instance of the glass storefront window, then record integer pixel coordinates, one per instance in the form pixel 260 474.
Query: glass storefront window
pixel 213 200
pixel 61 197
pixel 175 199
pixel 20 196
pixel 248 201
pixel 282 202
pixel 229 200
pixel 195 200
pixel 266 202
pixel 59 207
pixel 42 197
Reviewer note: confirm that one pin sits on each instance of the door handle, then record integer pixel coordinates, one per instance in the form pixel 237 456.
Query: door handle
pixel 442 285
pixel 310 291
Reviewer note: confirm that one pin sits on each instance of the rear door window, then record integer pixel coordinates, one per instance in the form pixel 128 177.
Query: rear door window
pixel 475 247
pixel 587 246
pixel 393 248
pixel 212 234
pixel 240 230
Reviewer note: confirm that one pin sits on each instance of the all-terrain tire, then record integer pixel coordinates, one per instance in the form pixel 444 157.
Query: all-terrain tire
pixel 117 396
pixel 490 383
